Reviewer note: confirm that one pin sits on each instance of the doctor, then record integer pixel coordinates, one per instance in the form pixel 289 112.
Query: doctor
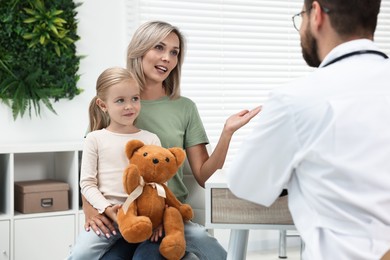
pixel 326 137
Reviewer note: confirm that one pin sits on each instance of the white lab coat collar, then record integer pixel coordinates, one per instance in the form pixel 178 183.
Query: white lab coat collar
pixel 347 47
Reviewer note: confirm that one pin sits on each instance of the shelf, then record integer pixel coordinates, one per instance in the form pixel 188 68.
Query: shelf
pixel 19 215
pixel 39 161
pixel 41 147
pixel 4 216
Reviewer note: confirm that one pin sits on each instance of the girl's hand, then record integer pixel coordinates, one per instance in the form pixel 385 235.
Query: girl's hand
pixel 112 212
pixel 157 233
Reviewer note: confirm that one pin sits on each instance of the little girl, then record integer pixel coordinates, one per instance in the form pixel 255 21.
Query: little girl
pixel 111 118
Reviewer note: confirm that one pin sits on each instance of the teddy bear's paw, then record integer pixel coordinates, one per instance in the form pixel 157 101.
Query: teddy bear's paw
pixel 173 247
pixel 186 212
pixel 138 231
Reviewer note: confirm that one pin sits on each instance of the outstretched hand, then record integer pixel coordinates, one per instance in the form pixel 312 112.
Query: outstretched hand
pixel 236 121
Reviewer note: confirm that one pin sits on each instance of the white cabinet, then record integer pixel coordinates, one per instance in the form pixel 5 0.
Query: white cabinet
pixel 47 235
pixel 4 240
pixel 44 238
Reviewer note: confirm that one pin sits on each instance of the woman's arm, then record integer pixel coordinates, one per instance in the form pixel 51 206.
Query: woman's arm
pixel 203 165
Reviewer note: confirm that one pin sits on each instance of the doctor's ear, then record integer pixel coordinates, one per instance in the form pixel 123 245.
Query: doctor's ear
pixel 317 14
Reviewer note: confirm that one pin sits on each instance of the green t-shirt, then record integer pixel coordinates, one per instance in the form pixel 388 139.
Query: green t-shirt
pixel 177 123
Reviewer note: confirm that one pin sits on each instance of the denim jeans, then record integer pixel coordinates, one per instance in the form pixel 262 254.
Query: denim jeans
pixel 200 245
pixel 121 250
pixel 91 246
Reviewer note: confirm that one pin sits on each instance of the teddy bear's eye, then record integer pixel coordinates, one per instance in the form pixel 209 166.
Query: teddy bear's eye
pixel 145 154
pixel 167 159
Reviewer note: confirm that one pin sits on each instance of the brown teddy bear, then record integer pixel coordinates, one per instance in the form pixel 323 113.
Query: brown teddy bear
pixel 145 209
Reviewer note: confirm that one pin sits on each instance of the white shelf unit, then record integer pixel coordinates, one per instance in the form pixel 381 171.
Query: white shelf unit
pixel 40 235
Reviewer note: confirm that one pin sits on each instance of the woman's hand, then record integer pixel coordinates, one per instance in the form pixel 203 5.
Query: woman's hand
pixel 236 121
pixel 203 165
pixel 99 223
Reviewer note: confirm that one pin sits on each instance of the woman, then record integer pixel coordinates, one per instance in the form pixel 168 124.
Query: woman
pixel 155 56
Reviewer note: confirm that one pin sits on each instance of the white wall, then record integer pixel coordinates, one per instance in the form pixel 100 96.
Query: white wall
pixel 104 38
pixel 102 29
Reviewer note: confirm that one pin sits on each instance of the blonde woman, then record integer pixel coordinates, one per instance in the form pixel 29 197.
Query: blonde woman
pixel 155 57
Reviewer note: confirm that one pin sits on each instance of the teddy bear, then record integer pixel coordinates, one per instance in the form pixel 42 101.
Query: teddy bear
pixel 150 201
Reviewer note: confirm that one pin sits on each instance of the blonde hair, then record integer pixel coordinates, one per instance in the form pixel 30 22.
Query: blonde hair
pixel 145 38
pixel 111 76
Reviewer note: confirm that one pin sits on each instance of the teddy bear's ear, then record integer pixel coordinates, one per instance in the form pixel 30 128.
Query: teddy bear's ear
pixel 179 154
pixel 133 146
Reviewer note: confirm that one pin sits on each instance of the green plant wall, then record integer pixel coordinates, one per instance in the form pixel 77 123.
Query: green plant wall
pixel 38 60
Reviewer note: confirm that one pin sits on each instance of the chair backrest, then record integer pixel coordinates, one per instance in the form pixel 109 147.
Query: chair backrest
pixel 196 195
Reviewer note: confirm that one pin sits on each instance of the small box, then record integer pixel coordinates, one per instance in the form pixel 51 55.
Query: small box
pixel 41 196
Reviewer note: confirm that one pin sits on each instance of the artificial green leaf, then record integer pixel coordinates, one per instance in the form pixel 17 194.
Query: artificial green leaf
pixel 30 20
pixel 39 5
pixel 57 50
pixel 5 67
pixel 30 11
pixel 7 84
pixel 59 21
pixel 42 39
pixel 28 36
pixel 56 12
pixel 68 40
pixel 53 29
pixel 6 101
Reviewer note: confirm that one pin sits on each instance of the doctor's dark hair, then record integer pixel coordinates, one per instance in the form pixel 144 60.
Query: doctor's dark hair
pixel 351 17
pixel 146 37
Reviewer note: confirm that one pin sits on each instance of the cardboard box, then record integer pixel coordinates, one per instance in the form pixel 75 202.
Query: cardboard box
pixel 41 196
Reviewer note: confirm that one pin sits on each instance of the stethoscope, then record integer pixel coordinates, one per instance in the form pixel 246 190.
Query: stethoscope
pixel 356 53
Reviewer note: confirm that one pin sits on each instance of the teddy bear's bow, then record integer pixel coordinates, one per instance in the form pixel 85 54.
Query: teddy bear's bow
pixel 138 191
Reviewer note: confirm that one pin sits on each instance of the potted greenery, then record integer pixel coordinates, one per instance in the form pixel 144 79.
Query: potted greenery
pixel 38 60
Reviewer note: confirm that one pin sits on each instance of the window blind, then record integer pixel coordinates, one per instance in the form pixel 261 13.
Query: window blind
pixel 237 51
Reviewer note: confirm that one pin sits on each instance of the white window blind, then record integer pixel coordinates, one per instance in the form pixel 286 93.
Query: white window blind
pixel 237 51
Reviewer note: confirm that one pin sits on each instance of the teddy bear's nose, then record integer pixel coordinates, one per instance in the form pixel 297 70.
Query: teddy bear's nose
pixel 155 161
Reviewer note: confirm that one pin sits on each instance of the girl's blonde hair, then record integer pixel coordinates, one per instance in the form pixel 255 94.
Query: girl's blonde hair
pixel 144 39
pixel 111 76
